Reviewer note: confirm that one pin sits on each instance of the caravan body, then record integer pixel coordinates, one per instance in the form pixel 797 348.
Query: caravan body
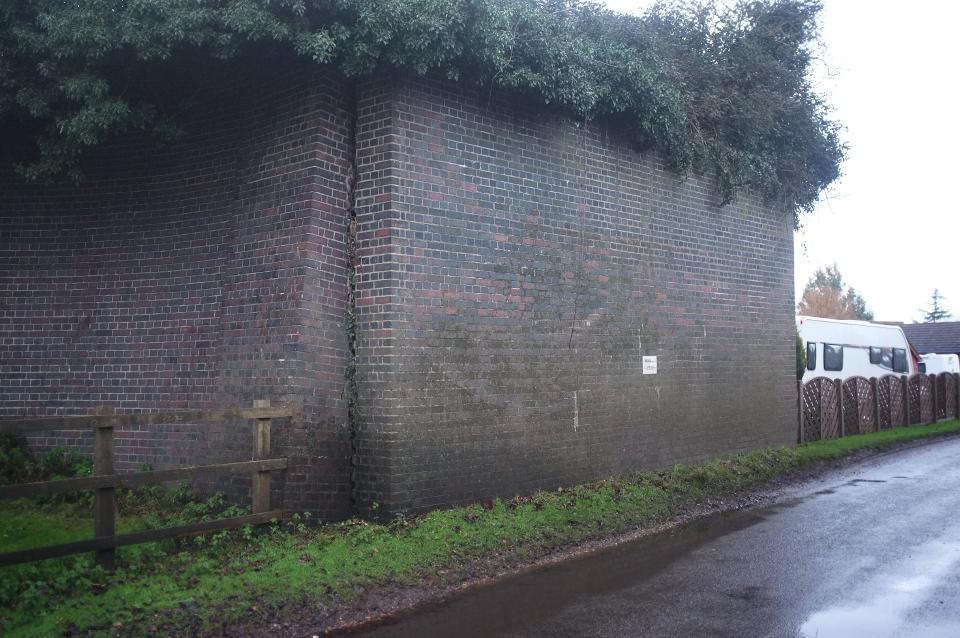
pixel 840 349
pixel 934 363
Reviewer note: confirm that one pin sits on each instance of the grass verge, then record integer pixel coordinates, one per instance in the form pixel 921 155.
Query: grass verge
pixel 195 586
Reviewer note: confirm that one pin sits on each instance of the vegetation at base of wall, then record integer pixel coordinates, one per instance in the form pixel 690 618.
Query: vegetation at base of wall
pixel 198 585
pixel 19 465
pixel 718 85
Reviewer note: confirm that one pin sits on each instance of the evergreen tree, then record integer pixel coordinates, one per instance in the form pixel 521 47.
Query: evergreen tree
pixel 936 312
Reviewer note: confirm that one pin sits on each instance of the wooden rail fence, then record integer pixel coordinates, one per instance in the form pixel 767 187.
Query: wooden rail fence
pixel 105 481
pixel 830 408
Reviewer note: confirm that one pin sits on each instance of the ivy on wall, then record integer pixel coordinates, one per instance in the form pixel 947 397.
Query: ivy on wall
pixel 726 89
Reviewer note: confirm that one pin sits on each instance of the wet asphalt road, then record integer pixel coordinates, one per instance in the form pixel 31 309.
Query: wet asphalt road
pixel 872 550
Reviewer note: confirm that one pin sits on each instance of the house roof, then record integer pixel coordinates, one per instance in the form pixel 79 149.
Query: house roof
pixel 942 337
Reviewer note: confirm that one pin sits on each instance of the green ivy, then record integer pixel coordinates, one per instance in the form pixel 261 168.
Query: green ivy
pixel 801 357
pixel 708 88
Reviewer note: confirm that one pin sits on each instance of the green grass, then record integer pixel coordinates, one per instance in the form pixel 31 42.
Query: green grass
pixel 192 585
pixel 24 525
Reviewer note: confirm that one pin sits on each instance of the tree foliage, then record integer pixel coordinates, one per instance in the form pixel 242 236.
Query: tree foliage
pixel 726 89
pixel 936 312
pixel 827 295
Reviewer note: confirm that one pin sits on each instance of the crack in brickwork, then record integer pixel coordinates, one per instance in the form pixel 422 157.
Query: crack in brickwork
pixel 352 392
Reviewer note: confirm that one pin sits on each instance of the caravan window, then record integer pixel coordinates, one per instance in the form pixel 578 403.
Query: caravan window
pixel 832 357
pixel 899 360
pixel 882 357
pixel 811 356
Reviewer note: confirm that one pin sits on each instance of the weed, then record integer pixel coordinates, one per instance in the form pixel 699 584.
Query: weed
pixel 217 577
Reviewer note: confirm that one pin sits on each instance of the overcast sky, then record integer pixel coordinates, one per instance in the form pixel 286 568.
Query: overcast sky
pixel 891 223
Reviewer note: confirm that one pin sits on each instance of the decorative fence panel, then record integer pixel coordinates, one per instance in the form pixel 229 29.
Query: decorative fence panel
pixel 949 396
pixel 939 386
pixel 921 399
pixel 829 408
pixel 884 408
pixel 810 402
pixel 820 410
pixel 890 402
pixel 859 413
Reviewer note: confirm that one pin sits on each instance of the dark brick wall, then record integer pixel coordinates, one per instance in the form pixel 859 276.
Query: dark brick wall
pixel 207 273
pixel 514 270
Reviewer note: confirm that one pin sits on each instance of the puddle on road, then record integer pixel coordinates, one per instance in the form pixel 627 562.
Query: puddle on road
pixel 888 598
pixel 522 600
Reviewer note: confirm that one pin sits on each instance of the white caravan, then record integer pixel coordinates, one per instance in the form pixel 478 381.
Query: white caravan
pixel 934 363
pixel 839 349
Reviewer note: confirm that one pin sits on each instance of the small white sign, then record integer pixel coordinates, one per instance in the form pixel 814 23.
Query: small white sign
pixel 649 365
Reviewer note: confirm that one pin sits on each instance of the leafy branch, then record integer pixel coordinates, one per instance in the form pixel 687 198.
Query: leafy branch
pixel 726 89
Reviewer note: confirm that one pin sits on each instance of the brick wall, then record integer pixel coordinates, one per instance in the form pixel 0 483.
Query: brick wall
pixel 206 273
pixel 514 270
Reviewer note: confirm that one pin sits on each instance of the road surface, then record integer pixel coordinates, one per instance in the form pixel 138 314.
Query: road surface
pixel 872 550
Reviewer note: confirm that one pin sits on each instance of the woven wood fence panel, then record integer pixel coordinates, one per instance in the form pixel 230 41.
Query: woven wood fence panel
pixel 830 427
pixel 883 401
pixel 858 409
pixel 890 394
pixel 921 399
pixel 810 410
pixel 820 410
pixel 831 410
pixel 949 395
pixel 862 412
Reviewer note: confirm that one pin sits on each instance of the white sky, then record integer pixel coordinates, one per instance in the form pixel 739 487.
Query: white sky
pixel 890 70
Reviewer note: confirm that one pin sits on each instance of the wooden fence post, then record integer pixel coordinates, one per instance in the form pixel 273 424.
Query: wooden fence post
pixel 261 450
pixel 905 394
pixel 838 387
pixel 956 387
pixel 934 392
pixel 104 523
pixel 876 404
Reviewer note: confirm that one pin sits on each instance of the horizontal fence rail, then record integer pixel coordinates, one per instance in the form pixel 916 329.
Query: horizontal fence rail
pixel 108 543
pixel 137 479
pixel 105 481
pixel 22 425
pixel 831 408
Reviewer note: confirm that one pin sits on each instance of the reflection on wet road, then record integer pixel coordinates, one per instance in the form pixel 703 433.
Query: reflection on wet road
pixel 873 551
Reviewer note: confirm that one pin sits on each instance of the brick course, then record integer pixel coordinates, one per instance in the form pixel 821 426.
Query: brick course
pixel 515 268
pixel 206 273
pixel 512 269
